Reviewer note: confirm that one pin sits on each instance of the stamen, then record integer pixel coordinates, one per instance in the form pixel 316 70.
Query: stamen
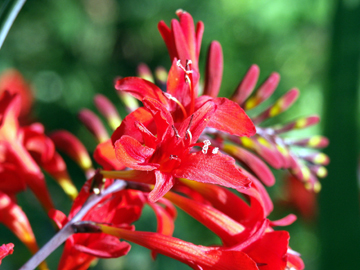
pixel 215 150
pixel 188 129
pixel 188 78
pixel 176 132
pixel 188 66
pixel 169 96
pixel 186 70
pixel 188 133
pixel 206 146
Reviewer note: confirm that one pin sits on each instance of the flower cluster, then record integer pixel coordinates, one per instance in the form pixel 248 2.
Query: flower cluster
pixel 185 147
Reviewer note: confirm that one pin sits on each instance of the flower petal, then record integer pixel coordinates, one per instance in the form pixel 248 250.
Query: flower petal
pixel 104 154
pixel 197 122
pixel 229 117
pixel 165 222
pixel 219 223
pixel 133 154
pixel 128 125
pixel 6 250
pixel 214 169
pixel 162 118
pixel 197 257
pixel 164 182
pixel 12 216
pixel 107 247
pixel 270 251
pixel 140 89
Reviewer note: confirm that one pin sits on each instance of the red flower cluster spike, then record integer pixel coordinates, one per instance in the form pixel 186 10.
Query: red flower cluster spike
pixel 24 150
pixel 180 149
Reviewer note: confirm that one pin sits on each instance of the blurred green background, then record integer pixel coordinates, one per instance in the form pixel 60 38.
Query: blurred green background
pixel 70 50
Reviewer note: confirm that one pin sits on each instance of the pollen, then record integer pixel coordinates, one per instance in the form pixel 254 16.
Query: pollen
pixel 206 146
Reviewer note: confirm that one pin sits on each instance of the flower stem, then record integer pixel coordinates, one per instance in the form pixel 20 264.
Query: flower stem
pixel 68 230
pixel 9 18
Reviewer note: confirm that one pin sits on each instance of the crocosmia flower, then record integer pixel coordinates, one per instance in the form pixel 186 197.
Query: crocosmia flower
pixel 171 152
pixel 17 163
pixel 80 250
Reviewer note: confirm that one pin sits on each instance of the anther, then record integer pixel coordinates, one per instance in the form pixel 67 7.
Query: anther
pixel 188 133
pixel 169 96
pixel 206 146
pixel 188 129
pixel 176 132
pixel 186 70
pixel 215 150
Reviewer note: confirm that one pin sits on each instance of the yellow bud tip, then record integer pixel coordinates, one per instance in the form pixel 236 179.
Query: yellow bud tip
pixel 264 142
pixel 301 123
pixel 247 142
pixel 69 188
pixel 322 172
pixel 317 187
pixel 251 103
pixel 276 109
pixel 85 162
pixel 161 74
pixel 147 77
pixel 306 173
pixel 320 158
pixel 114 122
pixel 314 141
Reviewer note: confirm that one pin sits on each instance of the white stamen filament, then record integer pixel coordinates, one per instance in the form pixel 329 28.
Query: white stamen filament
pixel 189 133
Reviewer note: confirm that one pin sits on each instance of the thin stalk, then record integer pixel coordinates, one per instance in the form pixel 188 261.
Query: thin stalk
pixel 9 18
pixel 68 230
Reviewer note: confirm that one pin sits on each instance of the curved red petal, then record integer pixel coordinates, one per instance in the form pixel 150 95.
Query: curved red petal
pixel 140 89
pixel 214 169
pixel 231 118
pixel 128 125
pixel 133 154
pixel 164 182
pixel 104 154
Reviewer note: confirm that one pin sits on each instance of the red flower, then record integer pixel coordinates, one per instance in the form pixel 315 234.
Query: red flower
pixel 240 226
pixel 18 168
pixel 6 250
pixel 123 207
pixel 11 80
pixel 169 154
pixel 197 257
pixel 181 102
pixel 12 216
pixel 23 150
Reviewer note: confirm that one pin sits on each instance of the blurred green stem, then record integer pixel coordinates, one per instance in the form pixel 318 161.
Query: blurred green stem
pixel 339 221
pixel 8 16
